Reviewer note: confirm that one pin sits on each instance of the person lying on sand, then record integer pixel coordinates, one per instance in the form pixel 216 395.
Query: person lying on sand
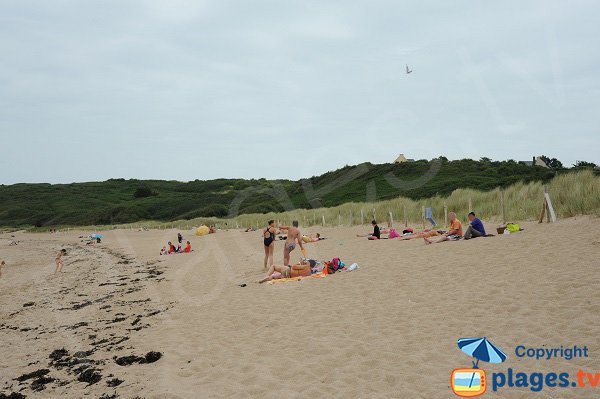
pixel 315 238
pixel 376 235
pixel 293 236
pixel 423 234
pixel 475 228
pixel 59 261
pixel 301 269
pixel 454 233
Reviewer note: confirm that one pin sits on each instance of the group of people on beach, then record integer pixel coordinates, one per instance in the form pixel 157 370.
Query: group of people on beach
pixel 293 238
pixel 170 248
pixel 454 233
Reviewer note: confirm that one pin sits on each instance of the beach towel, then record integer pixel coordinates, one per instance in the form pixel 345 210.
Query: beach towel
pixel 287 280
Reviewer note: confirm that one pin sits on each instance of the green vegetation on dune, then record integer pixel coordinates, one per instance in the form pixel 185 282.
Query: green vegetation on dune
pixel 572 194
pixel 119 201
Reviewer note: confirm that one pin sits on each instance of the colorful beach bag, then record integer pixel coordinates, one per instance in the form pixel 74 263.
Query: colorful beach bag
pixel 513 227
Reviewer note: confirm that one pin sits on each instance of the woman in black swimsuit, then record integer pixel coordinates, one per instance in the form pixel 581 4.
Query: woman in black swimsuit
pixel 269 242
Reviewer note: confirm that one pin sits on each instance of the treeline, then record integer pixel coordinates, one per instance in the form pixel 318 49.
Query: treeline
pixel 118 201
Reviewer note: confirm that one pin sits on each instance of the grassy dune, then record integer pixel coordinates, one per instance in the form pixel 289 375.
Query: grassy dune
pixel 572 194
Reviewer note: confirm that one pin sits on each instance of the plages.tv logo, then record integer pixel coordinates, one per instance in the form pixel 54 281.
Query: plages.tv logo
pixel 470 382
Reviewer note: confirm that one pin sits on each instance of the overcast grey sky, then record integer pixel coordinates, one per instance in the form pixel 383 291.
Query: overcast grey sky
pixel 183 90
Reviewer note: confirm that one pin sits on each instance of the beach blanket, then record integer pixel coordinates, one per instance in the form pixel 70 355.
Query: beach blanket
pixel 287 280
pixel 350 268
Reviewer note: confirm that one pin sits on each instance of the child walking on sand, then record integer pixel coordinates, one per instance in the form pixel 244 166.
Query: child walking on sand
pixel 59 261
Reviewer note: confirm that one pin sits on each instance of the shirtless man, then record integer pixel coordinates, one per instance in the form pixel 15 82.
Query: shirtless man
pixel 301 269
pixel 59 261
pixel 293 236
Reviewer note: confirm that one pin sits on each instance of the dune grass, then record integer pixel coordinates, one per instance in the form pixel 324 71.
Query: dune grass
pixel 572 194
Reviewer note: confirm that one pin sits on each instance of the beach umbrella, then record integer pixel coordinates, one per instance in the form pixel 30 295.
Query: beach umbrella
pixel 202 231
pixel 481 349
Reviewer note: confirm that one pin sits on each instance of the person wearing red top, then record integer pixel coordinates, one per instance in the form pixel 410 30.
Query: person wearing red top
pixel 188 247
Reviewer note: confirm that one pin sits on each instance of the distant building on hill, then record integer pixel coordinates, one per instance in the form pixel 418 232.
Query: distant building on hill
pixel 537 161
pixel 402 159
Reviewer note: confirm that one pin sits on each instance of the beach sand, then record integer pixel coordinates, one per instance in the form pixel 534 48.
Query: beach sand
pixel 388 330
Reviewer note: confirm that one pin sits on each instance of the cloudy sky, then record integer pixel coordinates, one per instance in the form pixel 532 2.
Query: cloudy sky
pixel 183 90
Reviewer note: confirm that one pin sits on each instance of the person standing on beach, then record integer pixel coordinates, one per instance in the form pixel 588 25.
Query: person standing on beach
pixel 269 243
pixel 293 236
pixel 2 264
pixel 179 238
pixel 59 261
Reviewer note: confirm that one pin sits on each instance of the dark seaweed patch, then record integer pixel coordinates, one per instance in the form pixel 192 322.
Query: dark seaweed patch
pixel 77 325
pixel 150 357
pixel 91 376
pixel 114 382
pixel 35 374
pixel 13 395
pixel 40 383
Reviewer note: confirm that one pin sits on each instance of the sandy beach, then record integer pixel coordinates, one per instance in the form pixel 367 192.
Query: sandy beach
pixel 386 330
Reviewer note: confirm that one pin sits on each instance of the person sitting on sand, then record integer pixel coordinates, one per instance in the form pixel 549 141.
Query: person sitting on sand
pixel 212 230
pixel 188 248
pixel 59 261
pixel 302 269
pixel 475 228
pixel 454 233
pixel 172 249
pixel 376 235
pixel 293 236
